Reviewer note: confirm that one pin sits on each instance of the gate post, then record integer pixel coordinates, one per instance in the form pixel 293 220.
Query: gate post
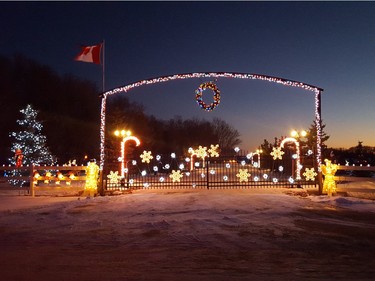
pixel 101 182
pixel 208 174
pixel 32 187
pixel 318 124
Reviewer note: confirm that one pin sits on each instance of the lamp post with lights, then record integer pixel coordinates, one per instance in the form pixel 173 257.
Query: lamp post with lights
pixel 295 134
pixel 126 136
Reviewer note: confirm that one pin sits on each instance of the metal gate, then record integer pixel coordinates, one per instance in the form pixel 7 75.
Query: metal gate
pixel 237 171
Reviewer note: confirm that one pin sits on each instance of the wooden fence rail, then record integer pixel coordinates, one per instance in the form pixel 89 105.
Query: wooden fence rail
pixel 354 173
pixel 33 174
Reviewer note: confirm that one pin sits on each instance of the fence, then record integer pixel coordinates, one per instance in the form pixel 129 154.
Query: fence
pixel 224 172
pixel 28 177
pixel 354 173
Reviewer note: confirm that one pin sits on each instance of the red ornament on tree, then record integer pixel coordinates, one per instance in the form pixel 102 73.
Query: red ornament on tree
pixel 19 156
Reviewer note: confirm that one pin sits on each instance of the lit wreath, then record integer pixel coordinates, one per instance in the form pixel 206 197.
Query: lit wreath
pixel 199 93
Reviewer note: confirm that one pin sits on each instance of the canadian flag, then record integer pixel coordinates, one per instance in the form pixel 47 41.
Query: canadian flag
pixel 90 54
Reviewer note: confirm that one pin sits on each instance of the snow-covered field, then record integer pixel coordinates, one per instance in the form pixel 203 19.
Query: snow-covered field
pixel 258 234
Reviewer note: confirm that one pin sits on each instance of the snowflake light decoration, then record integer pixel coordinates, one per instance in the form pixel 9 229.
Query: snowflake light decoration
pixel 201 152
pixel 277 153
pixel 146 156
pixel 176 176
pixel 310 174
pixel 243 175
pixel 114 177
pixel 213 150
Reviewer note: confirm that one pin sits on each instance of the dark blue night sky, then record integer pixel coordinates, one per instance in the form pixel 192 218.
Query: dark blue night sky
pixel 327 44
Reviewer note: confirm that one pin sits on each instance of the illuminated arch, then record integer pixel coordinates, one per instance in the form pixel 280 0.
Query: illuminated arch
pixel 124 89
pixel 298 159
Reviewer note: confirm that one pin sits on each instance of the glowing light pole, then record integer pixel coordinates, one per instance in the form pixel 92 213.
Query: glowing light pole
pixel 126 136
pixel 298 135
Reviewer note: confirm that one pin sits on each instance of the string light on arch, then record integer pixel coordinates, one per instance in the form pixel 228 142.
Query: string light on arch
pixel 282 81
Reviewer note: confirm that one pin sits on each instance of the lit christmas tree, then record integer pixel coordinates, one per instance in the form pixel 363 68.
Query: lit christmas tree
pixel 30 140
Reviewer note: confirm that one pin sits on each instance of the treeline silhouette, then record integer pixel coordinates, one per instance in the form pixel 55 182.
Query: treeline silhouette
pixel 69 108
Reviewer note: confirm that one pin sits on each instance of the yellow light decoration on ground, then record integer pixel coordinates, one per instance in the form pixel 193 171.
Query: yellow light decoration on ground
pixel 176 176
pixel 60 176
pixel 243 175
pixel 35 178
pixel 277 153
pixel 146 156
pixel 72 176
pixel 92 173
pixel 310 174
pixel 47 177
pixel 329 170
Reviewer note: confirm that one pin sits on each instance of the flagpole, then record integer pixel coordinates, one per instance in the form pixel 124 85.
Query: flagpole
pixel 102 128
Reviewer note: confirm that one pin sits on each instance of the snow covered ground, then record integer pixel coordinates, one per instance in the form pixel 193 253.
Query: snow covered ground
pixel 256 234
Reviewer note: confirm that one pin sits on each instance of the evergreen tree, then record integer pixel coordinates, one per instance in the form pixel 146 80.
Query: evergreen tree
pixel 311 136
pixel 30 140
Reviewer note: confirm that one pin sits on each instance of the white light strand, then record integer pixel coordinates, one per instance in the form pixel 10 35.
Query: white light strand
pixel 151 81
pixel 298 166
pixel 318 129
